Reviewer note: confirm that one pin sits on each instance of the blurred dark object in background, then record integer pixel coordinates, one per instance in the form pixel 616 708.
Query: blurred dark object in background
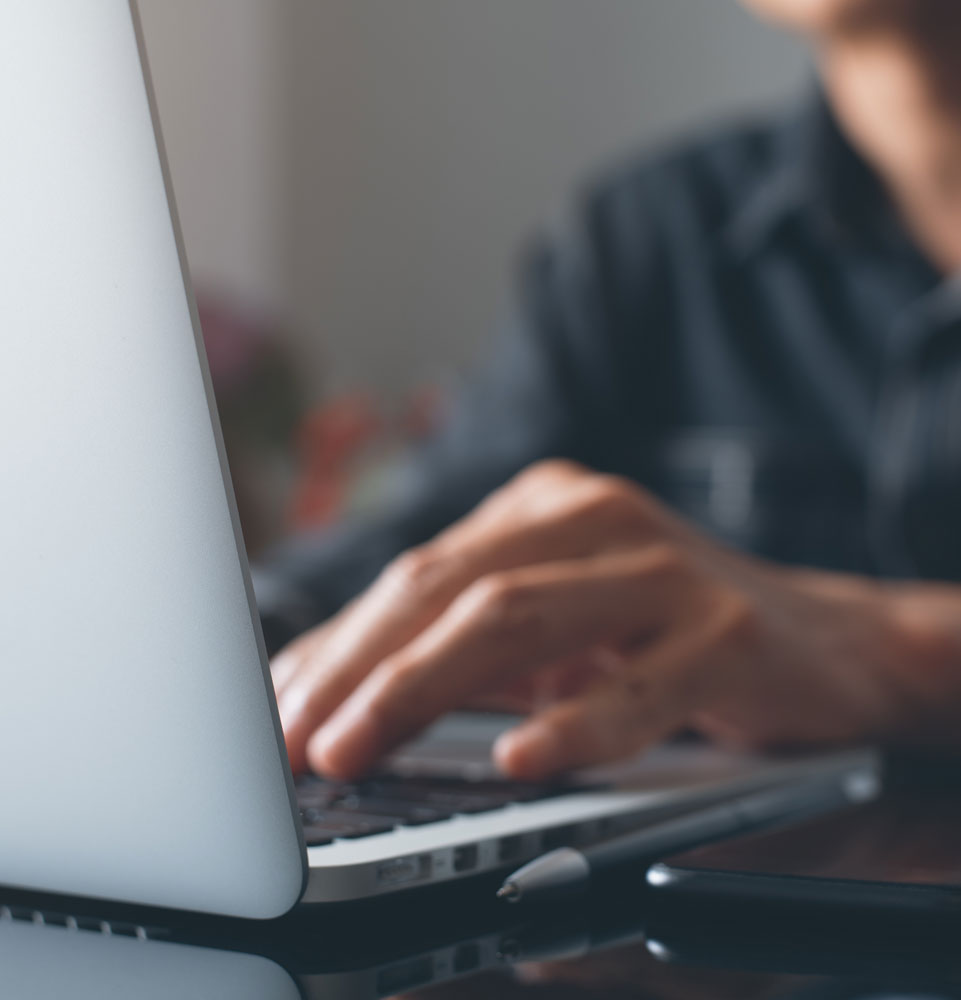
pixel 261 404
pixel 328 444
pixel 296 466
pixel 347 452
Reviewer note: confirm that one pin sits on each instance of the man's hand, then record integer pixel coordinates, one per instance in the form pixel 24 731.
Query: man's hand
pixel 580 598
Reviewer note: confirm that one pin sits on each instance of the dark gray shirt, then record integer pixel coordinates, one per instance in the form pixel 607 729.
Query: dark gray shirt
pixel 743 326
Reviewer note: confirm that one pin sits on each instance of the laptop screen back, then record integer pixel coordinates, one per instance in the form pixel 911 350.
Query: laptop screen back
pixel 139 750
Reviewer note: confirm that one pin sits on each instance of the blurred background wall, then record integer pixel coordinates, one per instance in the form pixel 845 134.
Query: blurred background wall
pixel 220 71
pixel 362 173
pixel 368 168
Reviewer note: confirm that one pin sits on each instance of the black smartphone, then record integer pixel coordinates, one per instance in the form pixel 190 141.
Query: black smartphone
pixel 900 854
pixel 877 884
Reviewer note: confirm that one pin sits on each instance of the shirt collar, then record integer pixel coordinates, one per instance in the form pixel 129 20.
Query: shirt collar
pixel 816 176
pixel 814 171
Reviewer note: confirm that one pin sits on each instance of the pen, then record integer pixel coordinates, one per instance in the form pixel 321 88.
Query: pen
pixel 569 871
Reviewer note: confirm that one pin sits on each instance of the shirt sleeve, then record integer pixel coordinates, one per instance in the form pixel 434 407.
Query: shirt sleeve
pixel 559 385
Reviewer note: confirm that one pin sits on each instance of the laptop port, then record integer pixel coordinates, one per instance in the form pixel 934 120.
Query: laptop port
pixel 465 858
pixel 466 958
pixel 510 848
pixel 398 871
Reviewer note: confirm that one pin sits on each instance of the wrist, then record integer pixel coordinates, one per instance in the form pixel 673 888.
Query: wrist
pixel 926 619
pixel 900 646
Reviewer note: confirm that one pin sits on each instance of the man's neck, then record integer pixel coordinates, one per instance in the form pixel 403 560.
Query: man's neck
pixel 898 96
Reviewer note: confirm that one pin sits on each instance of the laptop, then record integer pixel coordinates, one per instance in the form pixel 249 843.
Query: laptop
pixel 143 758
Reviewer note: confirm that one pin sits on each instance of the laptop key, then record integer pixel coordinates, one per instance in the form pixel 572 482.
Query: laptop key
pixel 317 793
pixel 460 795
pixel 334 809
pixel 322 829
pixel 406 813
pixel 317 837
pixel 443 801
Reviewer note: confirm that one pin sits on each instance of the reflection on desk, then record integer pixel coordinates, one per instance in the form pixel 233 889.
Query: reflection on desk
pixel 89 960
pixel 42 962
pixel 39 962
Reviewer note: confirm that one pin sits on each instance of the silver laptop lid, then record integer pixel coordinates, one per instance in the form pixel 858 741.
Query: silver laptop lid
pixel 140 751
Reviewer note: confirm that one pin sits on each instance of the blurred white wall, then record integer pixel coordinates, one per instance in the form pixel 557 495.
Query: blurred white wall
pixel 220 73
pixel 369 167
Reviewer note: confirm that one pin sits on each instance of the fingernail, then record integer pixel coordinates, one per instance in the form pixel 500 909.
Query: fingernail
pixel 528 752
pixel 325 751
pixel 344 742
pixel 279 662
pixel 290 705
pixel 318 747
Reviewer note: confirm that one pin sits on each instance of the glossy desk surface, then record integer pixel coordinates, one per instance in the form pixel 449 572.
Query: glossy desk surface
pixel 618 945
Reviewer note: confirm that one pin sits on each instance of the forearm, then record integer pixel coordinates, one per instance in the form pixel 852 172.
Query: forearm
pixel 640 624
pixel 928 617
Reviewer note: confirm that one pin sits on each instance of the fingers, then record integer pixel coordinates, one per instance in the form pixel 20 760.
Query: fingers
pixel 506 626
pixel 657 691
pixel 285 665
pixel 618 718
pixel 562 679
pixel 315 674
pixel 554 512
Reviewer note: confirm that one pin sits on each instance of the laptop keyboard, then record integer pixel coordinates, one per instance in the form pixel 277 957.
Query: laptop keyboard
pixel 331 810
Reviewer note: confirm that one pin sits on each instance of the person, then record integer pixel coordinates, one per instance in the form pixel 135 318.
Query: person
pixel 713 480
